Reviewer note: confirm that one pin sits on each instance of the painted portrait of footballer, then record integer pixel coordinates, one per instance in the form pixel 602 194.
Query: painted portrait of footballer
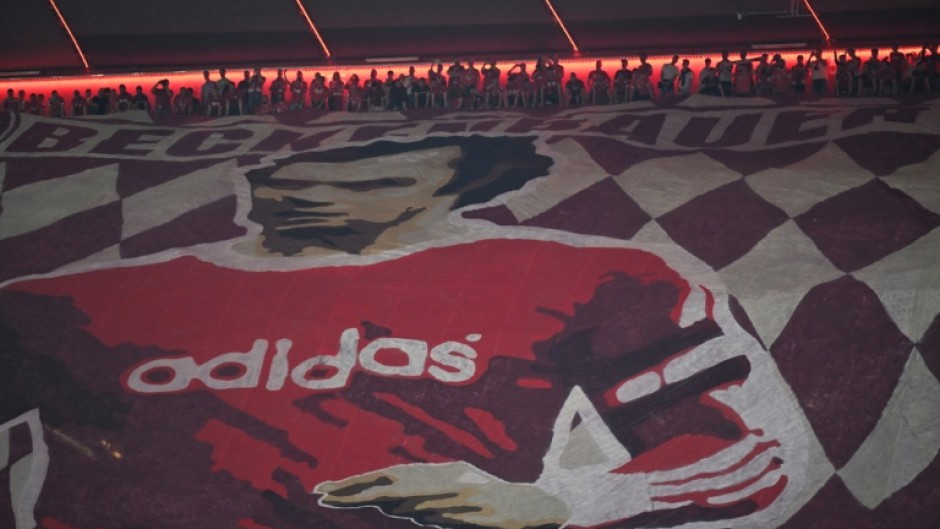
pixel 359 356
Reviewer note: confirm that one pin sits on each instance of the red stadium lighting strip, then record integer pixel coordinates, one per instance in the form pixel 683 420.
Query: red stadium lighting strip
pixel 580 65
pixel 313 28
pixel 78 49
pixel 564 29
pixel 818 22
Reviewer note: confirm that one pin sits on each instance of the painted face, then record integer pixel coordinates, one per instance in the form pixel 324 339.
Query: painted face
pixel 358 200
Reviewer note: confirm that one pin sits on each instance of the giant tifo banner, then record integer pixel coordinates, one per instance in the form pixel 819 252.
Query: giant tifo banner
pixel 705 314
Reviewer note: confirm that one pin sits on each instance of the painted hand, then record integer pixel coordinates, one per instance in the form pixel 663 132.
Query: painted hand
pixel 447 495
pixel 741 472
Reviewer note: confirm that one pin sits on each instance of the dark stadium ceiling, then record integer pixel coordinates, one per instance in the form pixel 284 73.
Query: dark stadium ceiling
pixel 132 35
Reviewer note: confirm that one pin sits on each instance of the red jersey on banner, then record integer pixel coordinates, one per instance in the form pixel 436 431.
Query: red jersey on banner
pixel 488 358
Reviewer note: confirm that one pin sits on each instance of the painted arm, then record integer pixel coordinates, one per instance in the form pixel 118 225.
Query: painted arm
pixel 578 485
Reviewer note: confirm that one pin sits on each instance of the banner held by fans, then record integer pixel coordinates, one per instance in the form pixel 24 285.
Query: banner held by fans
pixel 721 313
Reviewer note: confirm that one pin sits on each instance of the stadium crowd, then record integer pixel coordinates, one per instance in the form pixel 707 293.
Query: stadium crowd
pixel 463 85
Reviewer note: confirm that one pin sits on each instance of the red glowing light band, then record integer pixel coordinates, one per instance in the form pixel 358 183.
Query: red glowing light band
pixel 564 29
pixel 818 22
pixel 78 49
pixel 313 28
